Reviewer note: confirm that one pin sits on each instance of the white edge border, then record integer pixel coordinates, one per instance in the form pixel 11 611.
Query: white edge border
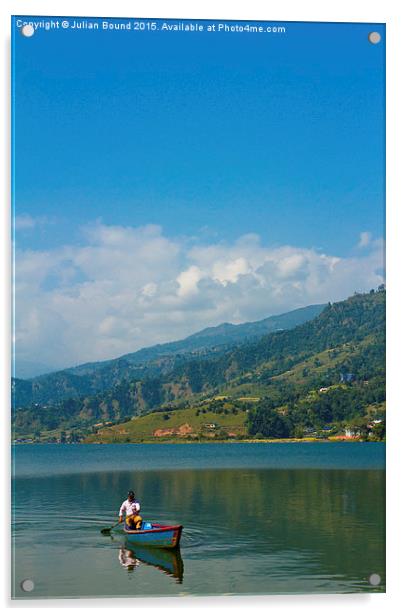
pixel 385 11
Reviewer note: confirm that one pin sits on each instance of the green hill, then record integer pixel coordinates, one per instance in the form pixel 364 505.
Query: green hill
pixel 341 350
pixel 192 423
pixel 92 378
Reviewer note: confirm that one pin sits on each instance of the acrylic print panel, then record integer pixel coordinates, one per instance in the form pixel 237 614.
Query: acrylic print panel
pixel 198 227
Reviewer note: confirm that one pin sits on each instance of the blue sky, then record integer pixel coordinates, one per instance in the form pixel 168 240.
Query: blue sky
pixel 227 131
pixel 206 137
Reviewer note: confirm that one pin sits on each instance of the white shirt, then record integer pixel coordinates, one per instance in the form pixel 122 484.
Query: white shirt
pixel 130 507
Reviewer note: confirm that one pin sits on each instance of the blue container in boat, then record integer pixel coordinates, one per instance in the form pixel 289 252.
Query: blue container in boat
pixel 147 526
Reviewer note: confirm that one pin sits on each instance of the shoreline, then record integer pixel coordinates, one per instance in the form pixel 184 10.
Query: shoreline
pixel 220 442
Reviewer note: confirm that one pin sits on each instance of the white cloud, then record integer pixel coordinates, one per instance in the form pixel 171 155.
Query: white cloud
pixel 231 270
pixel 26 222
pixel 127 287
pixel 365 239
pixel 188 281
pixel 149 290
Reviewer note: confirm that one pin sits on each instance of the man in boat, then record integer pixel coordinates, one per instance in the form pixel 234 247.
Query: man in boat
pixel 131 508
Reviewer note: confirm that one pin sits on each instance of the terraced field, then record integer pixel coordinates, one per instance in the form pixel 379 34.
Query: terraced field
pixel 188 424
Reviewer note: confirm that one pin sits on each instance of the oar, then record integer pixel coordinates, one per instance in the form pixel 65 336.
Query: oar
pixel 106 531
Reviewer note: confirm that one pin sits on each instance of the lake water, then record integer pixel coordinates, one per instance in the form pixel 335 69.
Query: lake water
pixel 258 518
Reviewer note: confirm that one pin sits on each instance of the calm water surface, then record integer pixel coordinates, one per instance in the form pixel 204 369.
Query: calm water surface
pixel 258 519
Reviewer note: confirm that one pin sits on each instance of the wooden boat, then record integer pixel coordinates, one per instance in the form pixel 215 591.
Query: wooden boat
pixel 158 536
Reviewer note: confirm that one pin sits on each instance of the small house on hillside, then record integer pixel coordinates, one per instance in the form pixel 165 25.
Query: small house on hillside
pixel 352 431
pixel 309 431
pixel 374 422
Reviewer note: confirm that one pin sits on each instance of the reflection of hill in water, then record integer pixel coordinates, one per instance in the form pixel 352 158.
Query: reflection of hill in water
pixel 272 527
pixel 335 518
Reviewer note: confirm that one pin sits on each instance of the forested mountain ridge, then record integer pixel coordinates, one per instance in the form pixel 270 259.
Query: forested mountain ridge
pixel 92 378
pixel 345 342
pixel 350 321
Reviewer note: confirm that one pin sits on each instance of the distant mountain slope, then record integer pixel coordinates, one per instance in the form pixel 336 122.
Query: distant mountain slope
pixel 91 378
pixel 29 369
pixel 345 338
pixel 227 333
pixel 209 338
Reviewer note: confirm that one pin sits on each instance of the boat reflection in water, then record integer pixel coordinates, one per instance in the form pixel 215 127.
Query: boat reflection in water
pixel 127 559
pixel 168 561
